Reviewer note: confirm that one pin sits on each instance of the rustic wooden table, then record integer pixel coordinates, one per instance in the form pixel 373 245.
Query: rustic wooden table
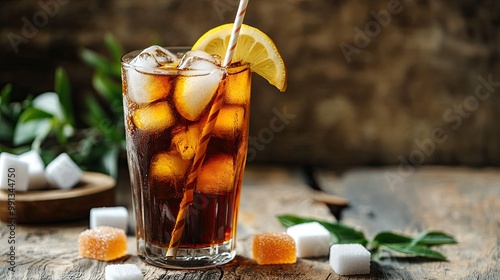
pixel 463 202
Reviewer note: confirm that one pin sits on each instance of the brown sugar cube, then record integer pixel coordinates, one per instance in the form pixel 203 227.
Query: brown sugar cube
pixel 274 248
pixel 102 243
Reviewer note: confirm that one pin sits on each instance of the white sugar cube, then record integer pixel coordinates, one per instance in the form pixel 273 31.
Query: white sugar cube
pixel 36 170
pixel 109 216
pixel 62 172
pixel 13 173
pixel 349 259
pixel 311 239
pixel 122 272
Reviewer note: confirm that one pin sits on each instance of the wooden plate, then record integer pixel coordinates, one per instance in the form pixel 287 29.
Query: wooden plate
pixel 93 190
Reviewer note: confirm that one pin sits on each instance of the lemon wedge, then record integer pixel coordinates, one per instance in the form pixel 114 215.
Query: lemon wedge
pixel 254 47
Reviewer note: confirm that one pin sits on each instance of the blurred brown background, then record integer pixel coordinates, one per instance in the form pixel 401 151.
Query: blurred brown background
pixel 370 82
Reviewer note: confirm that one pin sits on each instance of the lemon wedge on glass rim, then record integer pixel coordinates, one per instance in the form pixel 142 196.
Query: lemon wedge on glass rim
pixel 254 47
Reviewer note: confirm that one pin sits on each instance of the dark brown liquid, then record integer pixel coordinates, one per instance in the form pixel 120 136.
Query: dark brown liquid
pixel 211 218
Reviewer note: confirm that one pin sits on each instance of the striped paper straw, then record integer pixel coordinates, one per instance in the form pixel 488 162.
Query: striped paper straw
pixel 187 199
pixel 238 21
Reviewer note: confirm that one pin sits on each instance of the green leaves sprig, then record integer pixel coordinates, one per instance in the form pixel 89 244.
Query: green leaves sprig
pixel 419 246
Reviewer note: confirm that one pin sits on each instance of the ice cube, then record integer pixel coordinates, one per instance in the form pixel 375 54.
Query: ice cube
pixel 195 89
pixel 145 81
pixel 122 272
pixel 312 239
pixel 153 57
pixel 109 216
pixel 216 175
pixel 349 259
pixel 273 248
pixel 229 122
pixel 198 60
pixel 13 173
pixel 143 88
pixel 168 167
pixel 154 117
pixel 36 169
pixel 237 88
pixel 186 141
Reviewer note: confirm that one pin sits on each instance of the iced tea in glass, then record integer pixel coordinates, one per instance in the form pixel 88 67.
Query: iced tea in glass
pixel 167 99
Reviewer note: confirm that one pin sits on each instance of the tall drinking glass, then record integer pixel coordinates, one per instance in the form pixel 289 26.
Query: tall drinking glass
pixel 166 109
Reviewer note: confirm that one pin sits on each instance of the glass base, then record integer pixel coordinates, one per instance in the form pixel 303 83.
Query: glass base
pixel 187 258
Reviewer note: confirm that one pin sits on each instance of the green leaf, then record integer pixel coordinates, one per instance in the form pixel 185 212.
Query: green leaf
pixel 5 94
pixel 6 131
pixel 96 116
pixel 291 220
pixel 61 137
pixel 16 151
pixel 342 234
pixel 386 237
pixel 108 88
pixel 63 132
pixel 31 130
pixel 95 60
pixel 32 113
pixel 50 103
pixel 114 48
pixel 413 250
pixel 63 88
pixel 434 238
pixel 116 70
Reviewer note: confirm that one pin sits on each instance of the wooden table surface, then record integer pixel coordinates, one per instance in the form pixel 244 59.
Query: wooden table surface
pixel 463 202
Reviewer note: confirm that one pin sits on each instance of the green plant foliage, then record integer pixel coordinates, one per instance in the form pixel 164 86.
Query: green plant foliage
pixel 105 111
pixel 47 122
pixel 9 114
